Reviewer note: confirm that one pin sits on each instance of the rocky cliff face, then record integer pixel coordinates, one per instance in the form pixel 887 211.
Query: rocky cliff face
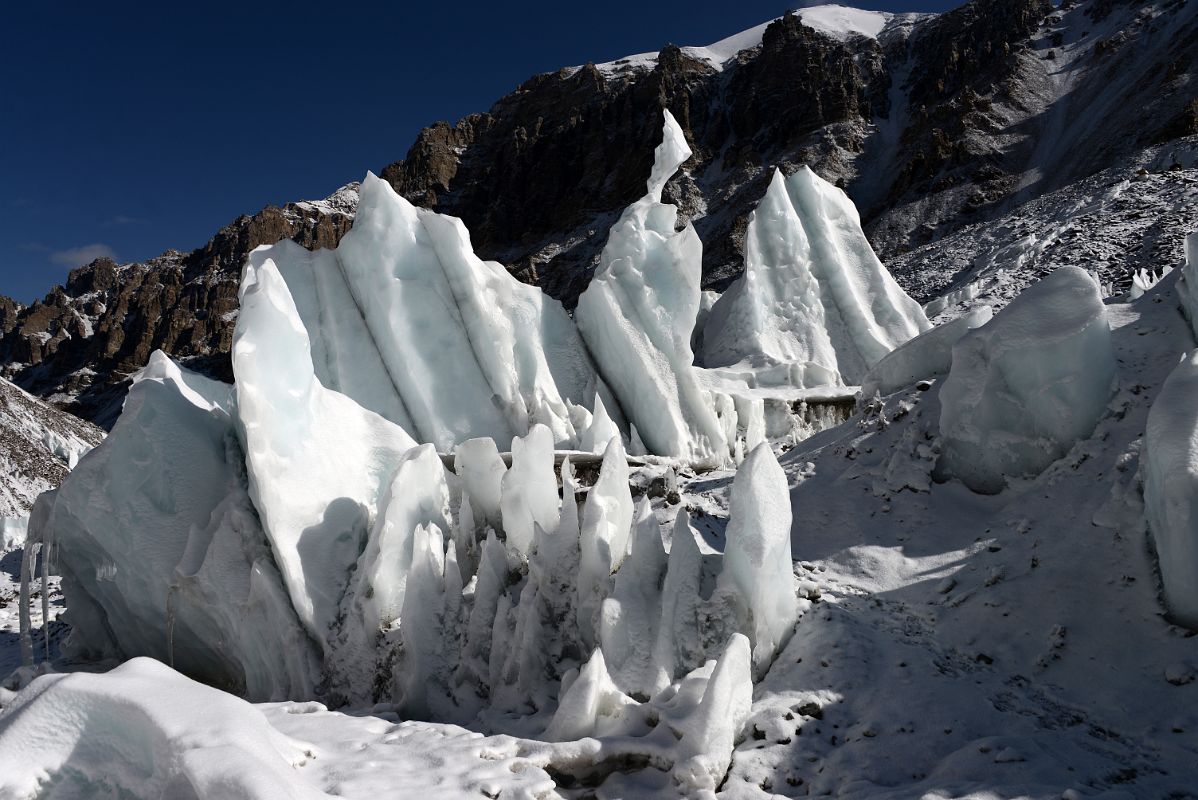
pixel 931 123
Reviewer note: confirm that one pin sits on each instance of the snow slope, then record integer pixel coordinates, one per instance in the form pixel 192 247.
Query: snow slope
pixel 38 446
pixel 837 21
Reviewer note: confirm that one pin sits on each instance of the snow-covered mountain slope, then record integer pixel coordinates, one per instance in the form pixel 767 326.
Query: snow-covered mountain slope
pixel 1130 218
pixel 836 21
pixel 38 446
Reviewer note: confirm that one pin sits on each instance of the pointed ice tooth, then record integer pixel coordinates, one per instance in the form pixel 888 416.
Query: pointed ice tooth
pixel 668 156
pixel 757 556
pixel 590 704
pixel 490 583
pixel 813 294
pixel 529 489
pixel 478 463
pixel 629 618
pixel 424 668
pixel 606 519
pixel 705 751
pixel 595 438
pixel 679 645
pixel 417 495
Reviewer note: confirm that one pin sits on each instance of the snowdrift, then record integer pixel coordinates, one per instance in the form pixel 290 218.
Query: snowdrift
pixel 143 730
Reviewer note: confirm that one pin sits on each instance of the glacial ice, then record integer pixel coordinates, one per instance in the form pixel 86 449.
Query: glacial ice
pixel 344 355
pixel 481 469
pixel 1027 385
pixel 1170 475
pixel 12 531
pixel 813 296
pixel 1187 285
pixel 418 496
pixel 605 529
pixel 314 510
pixel 529 489
pixel 590 704
pixel 638 314
pixel 528 632
pixel 928 355
pixel 405 319
pixel 757 560
pixel 630 617
pixel 160 549
pixel 317 461
pixel 705 750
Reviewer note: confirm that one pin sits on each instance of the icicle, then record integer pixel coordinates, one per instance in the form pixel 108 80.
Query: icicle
pixel 45 548
pixel 26 623
pixel 170 625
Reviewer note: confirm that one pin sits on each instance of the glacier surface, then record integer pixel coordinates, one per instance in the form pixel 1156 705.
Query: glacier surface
pixel 497 551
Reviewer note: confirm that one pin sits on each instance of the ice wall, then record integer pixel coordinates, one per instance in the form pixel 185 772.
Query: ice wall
pixel 406 320
pixel 317 461
pixel 160 549
pixel 638 314
pixel 757 565
pixel 813 295
pixel 1170 474
pixel 1027 385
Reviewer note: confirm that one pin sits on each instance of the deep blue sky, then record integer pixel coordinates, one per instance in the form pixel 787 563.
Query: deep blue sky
pixel 130 128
